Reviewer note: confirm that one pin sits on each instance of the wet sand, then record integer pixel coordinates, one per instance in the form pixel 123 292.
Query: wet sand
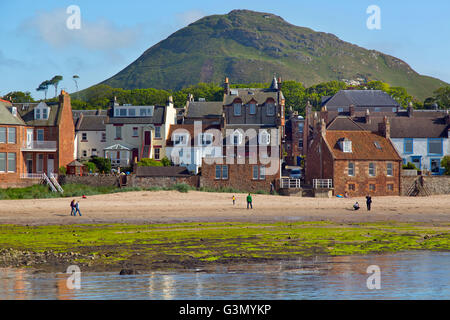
pixel 174 207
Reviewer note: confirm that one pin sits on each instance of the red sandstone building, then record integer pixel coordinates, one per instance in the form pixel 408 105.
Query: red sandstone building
pixel 357 162
pixel 35 138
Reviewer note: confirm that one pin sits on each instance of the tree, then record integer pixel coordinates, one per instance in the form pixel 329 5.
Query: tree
pixel 103 165
pixel 442 97
pixel 294 93
pixel 445 163
pixel 401 95
pixel 54 82
pixel 19 96
pixel 44 87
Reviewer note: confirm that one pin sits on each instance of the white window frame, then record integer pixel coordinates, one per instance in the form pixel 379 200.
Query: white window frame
pixel 389 169
pixel 118 133
pixel 374 169
pixel 206 139
pixel 180 139
pixel 157 132
pixel 262 173
pixel 351 169
pixel 4 134
pixel 237 134
pixel 264 138
pixel 40 133
pixel 4 160
pixel 12 133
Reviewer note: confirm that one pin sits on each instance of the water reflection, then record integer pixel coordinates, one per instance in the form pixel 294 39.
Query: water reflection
pixel 419 275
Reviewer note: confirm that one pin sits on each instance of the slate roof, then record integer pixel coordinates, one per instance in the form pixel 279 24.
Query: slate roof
pixel 190 129
pixel 157 118
pixel 361 98
pixel 6 117
pixel 246 95
pixel 363 146
pixel 204 109
pixel 26 112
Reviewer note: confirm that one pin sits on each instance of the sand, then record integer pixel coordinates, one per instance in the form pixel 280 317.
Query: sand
pixel 174 207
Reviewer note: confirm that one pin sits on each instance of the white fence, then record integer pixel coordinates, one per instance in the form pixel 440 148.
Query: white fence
pixel 287 183
pixel 322 183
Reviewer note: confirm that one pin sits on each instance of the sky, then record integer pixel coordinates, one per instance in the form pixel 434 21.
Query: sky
pixel 37 44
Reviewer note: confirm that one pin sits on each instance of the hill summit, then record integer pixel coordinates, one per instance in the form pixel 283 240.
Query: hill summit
pixel 249 46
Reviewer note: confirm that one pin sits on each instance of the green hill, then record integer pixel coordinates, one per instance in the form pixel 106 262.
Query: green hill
pixel 249 46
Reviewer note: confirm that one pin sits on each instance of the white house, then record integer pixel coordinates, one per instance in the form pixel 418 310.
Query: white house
pixel 90 133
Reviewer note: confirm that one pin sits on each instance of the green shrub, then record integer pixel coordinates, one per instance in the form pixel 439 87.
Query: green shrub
pixel 445 163
pixel 103 165
pixel 147 162
pixel 62 171
pixel 409 166
pixel 165 162
pixel 182 187
pixel 91 166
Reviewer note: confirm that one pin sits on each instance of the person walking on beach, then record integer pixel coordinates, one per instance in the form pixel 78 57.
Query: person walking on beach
pixel 368 202
pixel 234 200
pixel 249 201
pixel 77 208
pixel 72 207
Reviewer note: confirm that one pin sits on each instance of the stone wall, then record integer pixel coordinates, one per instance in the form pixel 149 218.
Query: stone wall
pixel 148 182
pixel 94 181
pixel 434 184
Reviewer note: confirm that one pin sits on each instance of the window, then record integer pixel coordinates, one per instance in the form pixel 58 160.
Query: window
pixel 84 136
pixel 236 138
pixel 435 165
pixel 270 109
pixel 377 109
pixel 40 135
pixel 340 109
pixel 252 108
pixel 157 153
pixel 2 135
pixel 12 135
pixel 394 109
pixel 262 173
pixel 118 132
pixel 157 132
pixel 2 161
pixel 143 112
pixel 84 153
pixel 255 172
pixel 264 138
pixel 94 152
pixel 351 169
pixel 390 187
pixel 206 139
pixel 351 187
pixel 435 146
pixel 301 125
pixel 103 136
pixel 408 146
pixel 44 113
pixel 135 132
pixel 11 162
pixel 40 163
pixel 180 139
pixel 37 114
pixel 123 112
pixel 372 169
pixel 347 146
pixel 377 145
pixel 390 170
pixel 131 112
pixel 237 109
pixel 371 187
pixel 300 143
pixel 224 172
pixel 221 172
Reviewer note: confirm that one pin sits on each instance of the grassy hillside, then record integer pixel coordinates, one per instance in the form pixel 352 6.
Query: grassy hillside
pixel 250 46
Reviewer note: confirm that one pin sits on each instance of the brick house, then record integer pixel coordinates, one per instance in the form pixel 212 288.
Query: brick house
pixel 252 131
pixel 295 145
pixel 35 138
pixel 359 162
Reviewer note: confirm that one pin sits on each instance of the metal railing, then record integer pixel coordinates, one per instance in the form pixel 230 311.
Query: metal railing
pixel 34 176
pixel 39 145
pixel 322 183
pixel 290 183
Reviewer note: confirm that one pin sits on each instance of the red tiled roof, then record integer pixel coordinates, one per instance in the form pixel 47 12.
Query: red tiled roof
pixel 363 146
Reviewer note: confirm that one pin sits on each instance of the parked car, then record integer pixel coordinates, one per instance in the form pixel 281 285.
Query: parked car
pixel 295 174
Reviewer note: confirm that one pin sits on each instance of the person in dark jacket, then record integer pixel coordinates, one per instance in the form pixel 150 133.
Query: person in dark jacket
pixel 72 207
pixel 368 202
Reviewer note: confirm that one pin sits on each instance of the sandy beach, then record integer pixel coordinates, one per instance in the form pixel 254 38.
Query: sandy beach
pixel 175 207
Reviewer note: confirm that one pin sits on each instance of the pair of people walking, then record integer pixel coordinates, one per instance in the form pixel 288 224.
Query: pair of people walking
pixel 249 201
pixel 75 206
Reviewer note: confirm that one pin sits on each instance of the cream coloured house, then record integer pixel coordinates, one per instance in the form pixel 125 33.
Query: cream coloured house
pixel 90 133
pixel 136 132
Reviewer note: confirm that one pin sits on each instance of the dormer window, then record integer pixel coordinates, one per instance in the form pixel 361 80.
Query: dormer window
pixel 236 138
pixel 180 139
pixel 346 145
pixel 206 139
pixel 237 109
pixel 252 108
pixel 37 114
pixel 41 111
pixel 270 109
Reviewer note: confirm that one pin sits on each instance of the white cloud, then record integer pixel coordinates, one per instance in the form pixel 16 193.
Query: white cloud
pixel 50 27
pixel 187 17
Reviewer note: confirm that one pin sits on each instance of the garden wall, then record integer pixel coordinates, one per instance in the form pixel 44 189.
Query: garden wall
pixel 434 184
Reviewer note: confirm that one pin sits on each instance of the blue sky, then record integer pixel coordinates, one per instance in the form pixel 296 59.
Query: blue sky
pixel 36 44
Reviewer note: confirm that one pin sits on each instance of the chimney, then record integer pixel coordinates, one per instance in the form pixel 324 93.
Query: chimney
pixel 226 86
pixel 169 101
pixel 324 114
pixel 279 83
pixel 410 110
pixel 323 128
pixel 190 97
pixel 351 109
pixel 385 128
pixel 367 116
pixel 115 103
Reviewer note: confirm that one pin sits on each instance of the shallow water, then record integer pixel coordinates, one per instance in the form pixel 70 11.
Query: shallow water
pixel 411 275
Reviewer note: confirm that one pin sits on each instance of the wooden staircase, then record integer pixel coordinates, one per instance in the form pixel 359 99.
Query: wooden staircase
pixel 418 188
